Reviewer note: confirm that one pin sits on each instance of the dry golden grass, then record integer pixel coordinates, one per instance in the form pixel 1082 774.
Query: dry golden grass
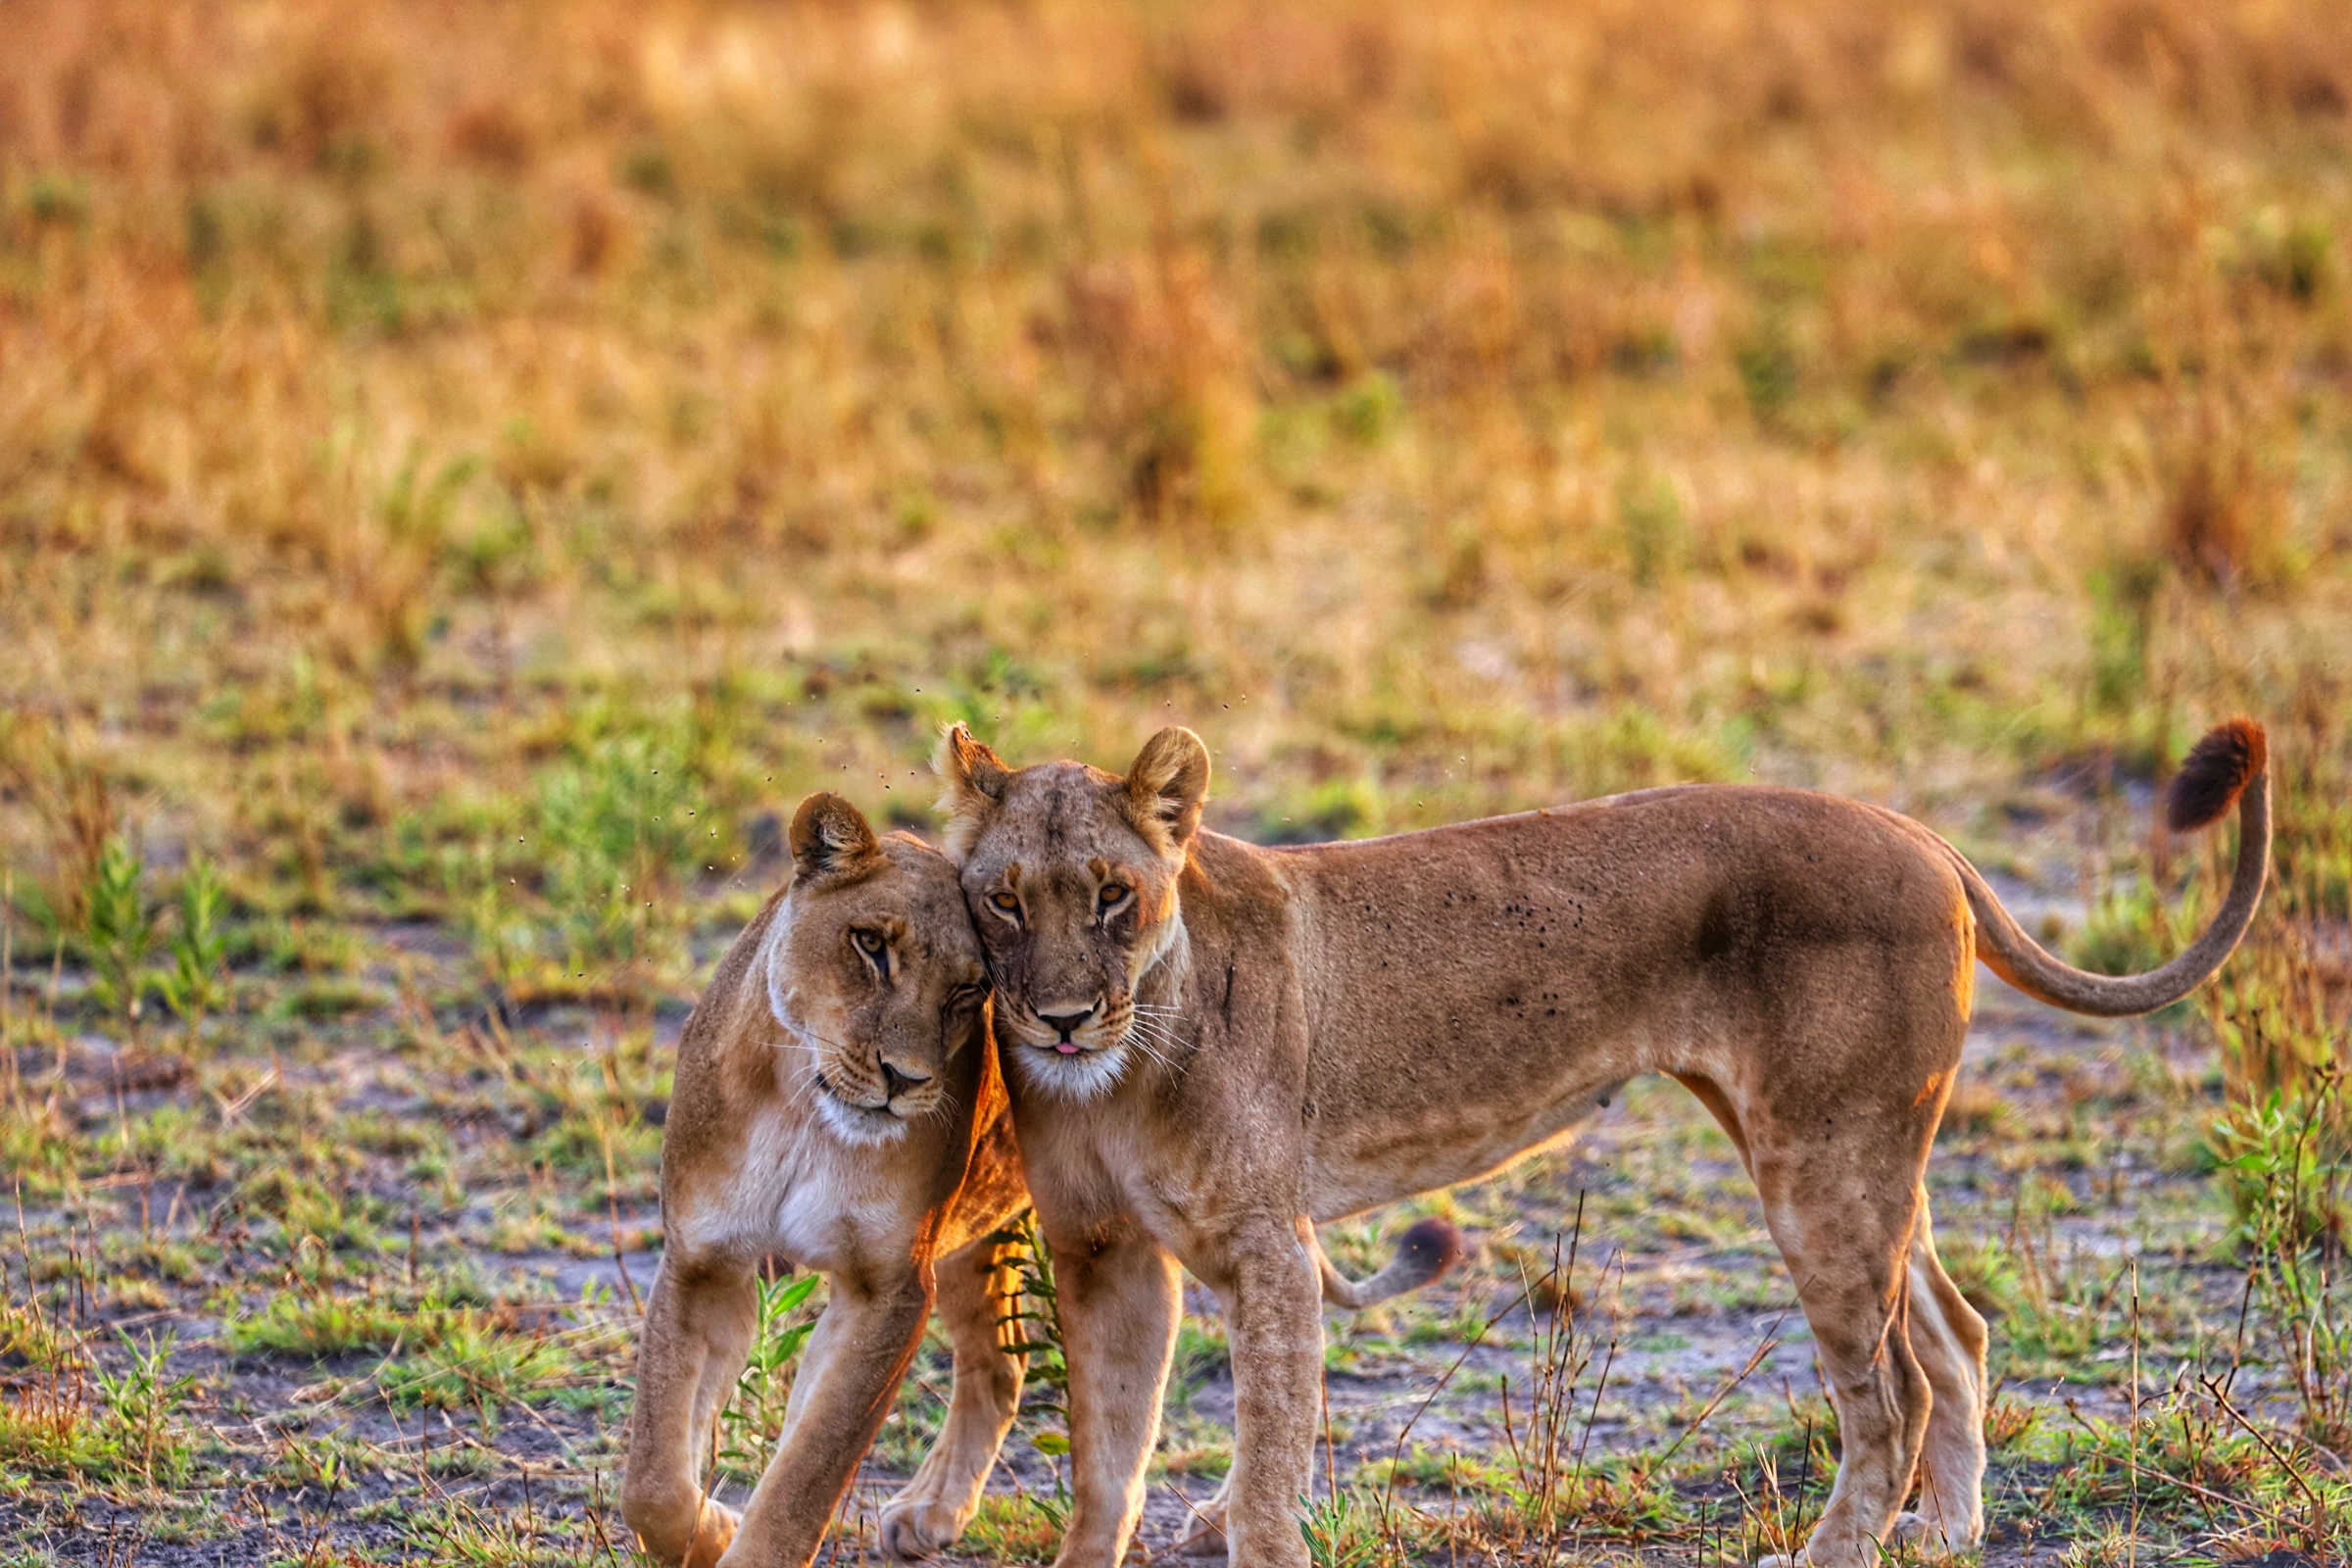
pixel 1445 407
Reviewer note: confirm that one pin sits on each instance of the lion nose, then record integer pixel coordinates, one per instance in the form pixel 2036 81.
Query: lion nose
pixel 895 1083
pixel 1066 1024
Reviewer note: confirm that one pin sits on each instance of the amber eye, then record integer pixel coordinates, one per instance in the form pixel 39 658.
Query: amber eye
pixel 1006 901
pixel 1112 895
pixel 871 942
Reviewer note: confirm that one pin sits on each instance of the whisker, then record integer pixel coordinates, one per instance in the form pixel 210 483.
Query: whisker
pixel 1144 1045
pixel 1160 1029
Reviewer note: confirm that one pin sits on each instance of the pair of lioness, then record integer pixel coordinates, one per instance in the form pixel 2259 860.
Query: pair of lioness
pixel 836 1106
pixel 1209 1045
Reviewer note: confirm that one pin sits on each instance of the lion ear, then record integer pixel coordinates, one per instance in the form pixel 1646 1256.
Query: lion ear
pixel 1167 785
pixel 830 835
pixel 974 777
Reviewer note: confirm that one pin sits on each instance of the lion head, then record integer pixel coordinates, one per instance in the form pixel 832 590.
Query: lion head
pixel 873 969
pixel 1072 875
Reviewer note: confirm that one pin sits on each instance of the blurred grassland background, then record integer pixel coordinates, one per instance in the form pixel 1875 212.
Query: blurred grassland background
pixel 480 462
pixel 467 469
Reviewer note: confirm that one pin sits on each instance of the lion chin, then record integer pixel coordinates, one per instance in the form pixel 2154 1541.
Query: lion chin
pixel 1078 1077
pixel 855 1125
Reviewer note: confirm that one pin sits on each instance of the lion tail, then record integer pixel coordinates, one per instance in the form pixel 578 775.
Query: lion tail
pixel 1424 1251
pixel 2229 767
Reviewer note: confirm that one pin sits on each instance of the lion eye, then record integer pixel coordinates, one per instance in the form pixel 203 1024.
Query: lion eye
pixel 1112 895
pixel 871 941
pixel 1006 901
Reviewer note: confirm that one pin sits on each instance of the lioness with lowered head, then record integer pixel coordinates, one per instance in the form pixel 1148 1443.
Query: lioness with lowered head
pixel 836 1106
pixel 1204 1040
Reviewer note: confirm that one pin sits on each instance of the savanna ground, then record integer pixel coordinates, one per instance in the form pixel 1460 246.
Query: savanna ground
pixel 465 470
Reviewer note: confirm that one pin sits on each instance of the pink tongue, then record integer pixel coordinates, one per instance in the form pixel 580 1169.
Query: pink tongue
pixel 1066 1048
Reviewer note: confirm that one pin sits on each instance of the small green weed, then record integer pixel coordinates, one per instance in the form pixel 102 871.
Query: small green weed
pixel 82 1421
pixel 756 1412
pixel 120 928
pixel 195 987
pixel 1017 1529
pixel 1345 1529
pixel 466 1365
pixel 319 1324
pixel 1032 1308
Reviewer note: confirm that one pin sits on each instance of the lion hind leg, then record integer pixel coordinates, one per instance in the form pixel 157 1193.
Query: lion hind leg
pixel 1948 1336
pixel 1848 1241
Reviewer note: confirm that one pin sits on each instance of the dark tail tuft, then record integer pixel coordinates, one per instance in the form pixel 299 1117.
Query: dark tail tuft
pixel 1431 1246
pixel 2218 769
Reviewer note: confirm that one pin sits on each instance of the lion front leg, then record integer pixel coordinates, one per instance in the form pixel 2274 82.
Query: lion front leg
pixel 1273 1309
pixel 982 1402
pixel 697 1334
pixel 1119 1305
pixel 856 1356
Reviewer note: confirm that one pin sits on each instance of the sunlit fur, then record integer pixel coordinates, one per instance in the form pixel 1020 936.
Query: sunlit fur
pixel 785 1142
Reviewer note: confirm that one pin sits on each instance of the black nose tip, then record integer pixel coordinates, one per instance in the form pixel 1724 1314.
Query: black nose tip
pixel 895 1083
pixel 1066 1024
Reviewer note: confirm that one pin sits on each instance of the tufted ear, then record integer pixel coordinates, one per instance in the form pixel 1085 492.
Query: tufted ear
pixel 974 777
pixel 829 835
pixel 1166 786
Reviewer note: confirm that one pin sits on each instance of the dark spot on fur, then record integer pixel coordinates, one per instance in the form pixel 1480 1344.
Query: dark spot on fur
pixel 1717 932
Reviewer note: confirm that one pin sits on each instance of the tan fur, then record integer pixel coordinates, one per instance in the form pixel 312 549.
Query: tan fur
pixel 1272 1033
pixel 767 1156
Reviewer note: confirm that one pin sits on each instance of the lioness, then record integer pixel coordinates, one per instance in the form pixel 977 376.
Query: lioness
pixel 1204 1040
pixel 836 1108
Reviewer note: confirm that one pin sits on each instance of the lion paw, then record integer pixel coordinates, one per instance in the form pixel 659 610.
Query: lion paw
pixel 715 1535
pixel 1908 1530
pixel 1941 1537
pixel 1207 1537
pixel 915 1528
pixel 1205 1541
pixel 691 1533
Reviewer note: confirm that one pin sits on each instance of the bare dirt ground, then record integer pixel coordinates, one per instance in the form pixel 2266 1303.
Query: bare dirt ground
pixel 394 1257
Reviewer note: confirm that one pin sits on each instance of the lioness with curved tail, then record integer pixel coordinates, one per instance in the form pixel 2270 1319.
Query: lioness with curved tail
pixel 836 1107
pixel 1204 1040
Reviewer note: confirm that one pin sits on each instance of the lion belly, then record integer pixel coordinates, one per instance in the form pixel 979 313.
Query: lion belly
pixel 1350 1171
